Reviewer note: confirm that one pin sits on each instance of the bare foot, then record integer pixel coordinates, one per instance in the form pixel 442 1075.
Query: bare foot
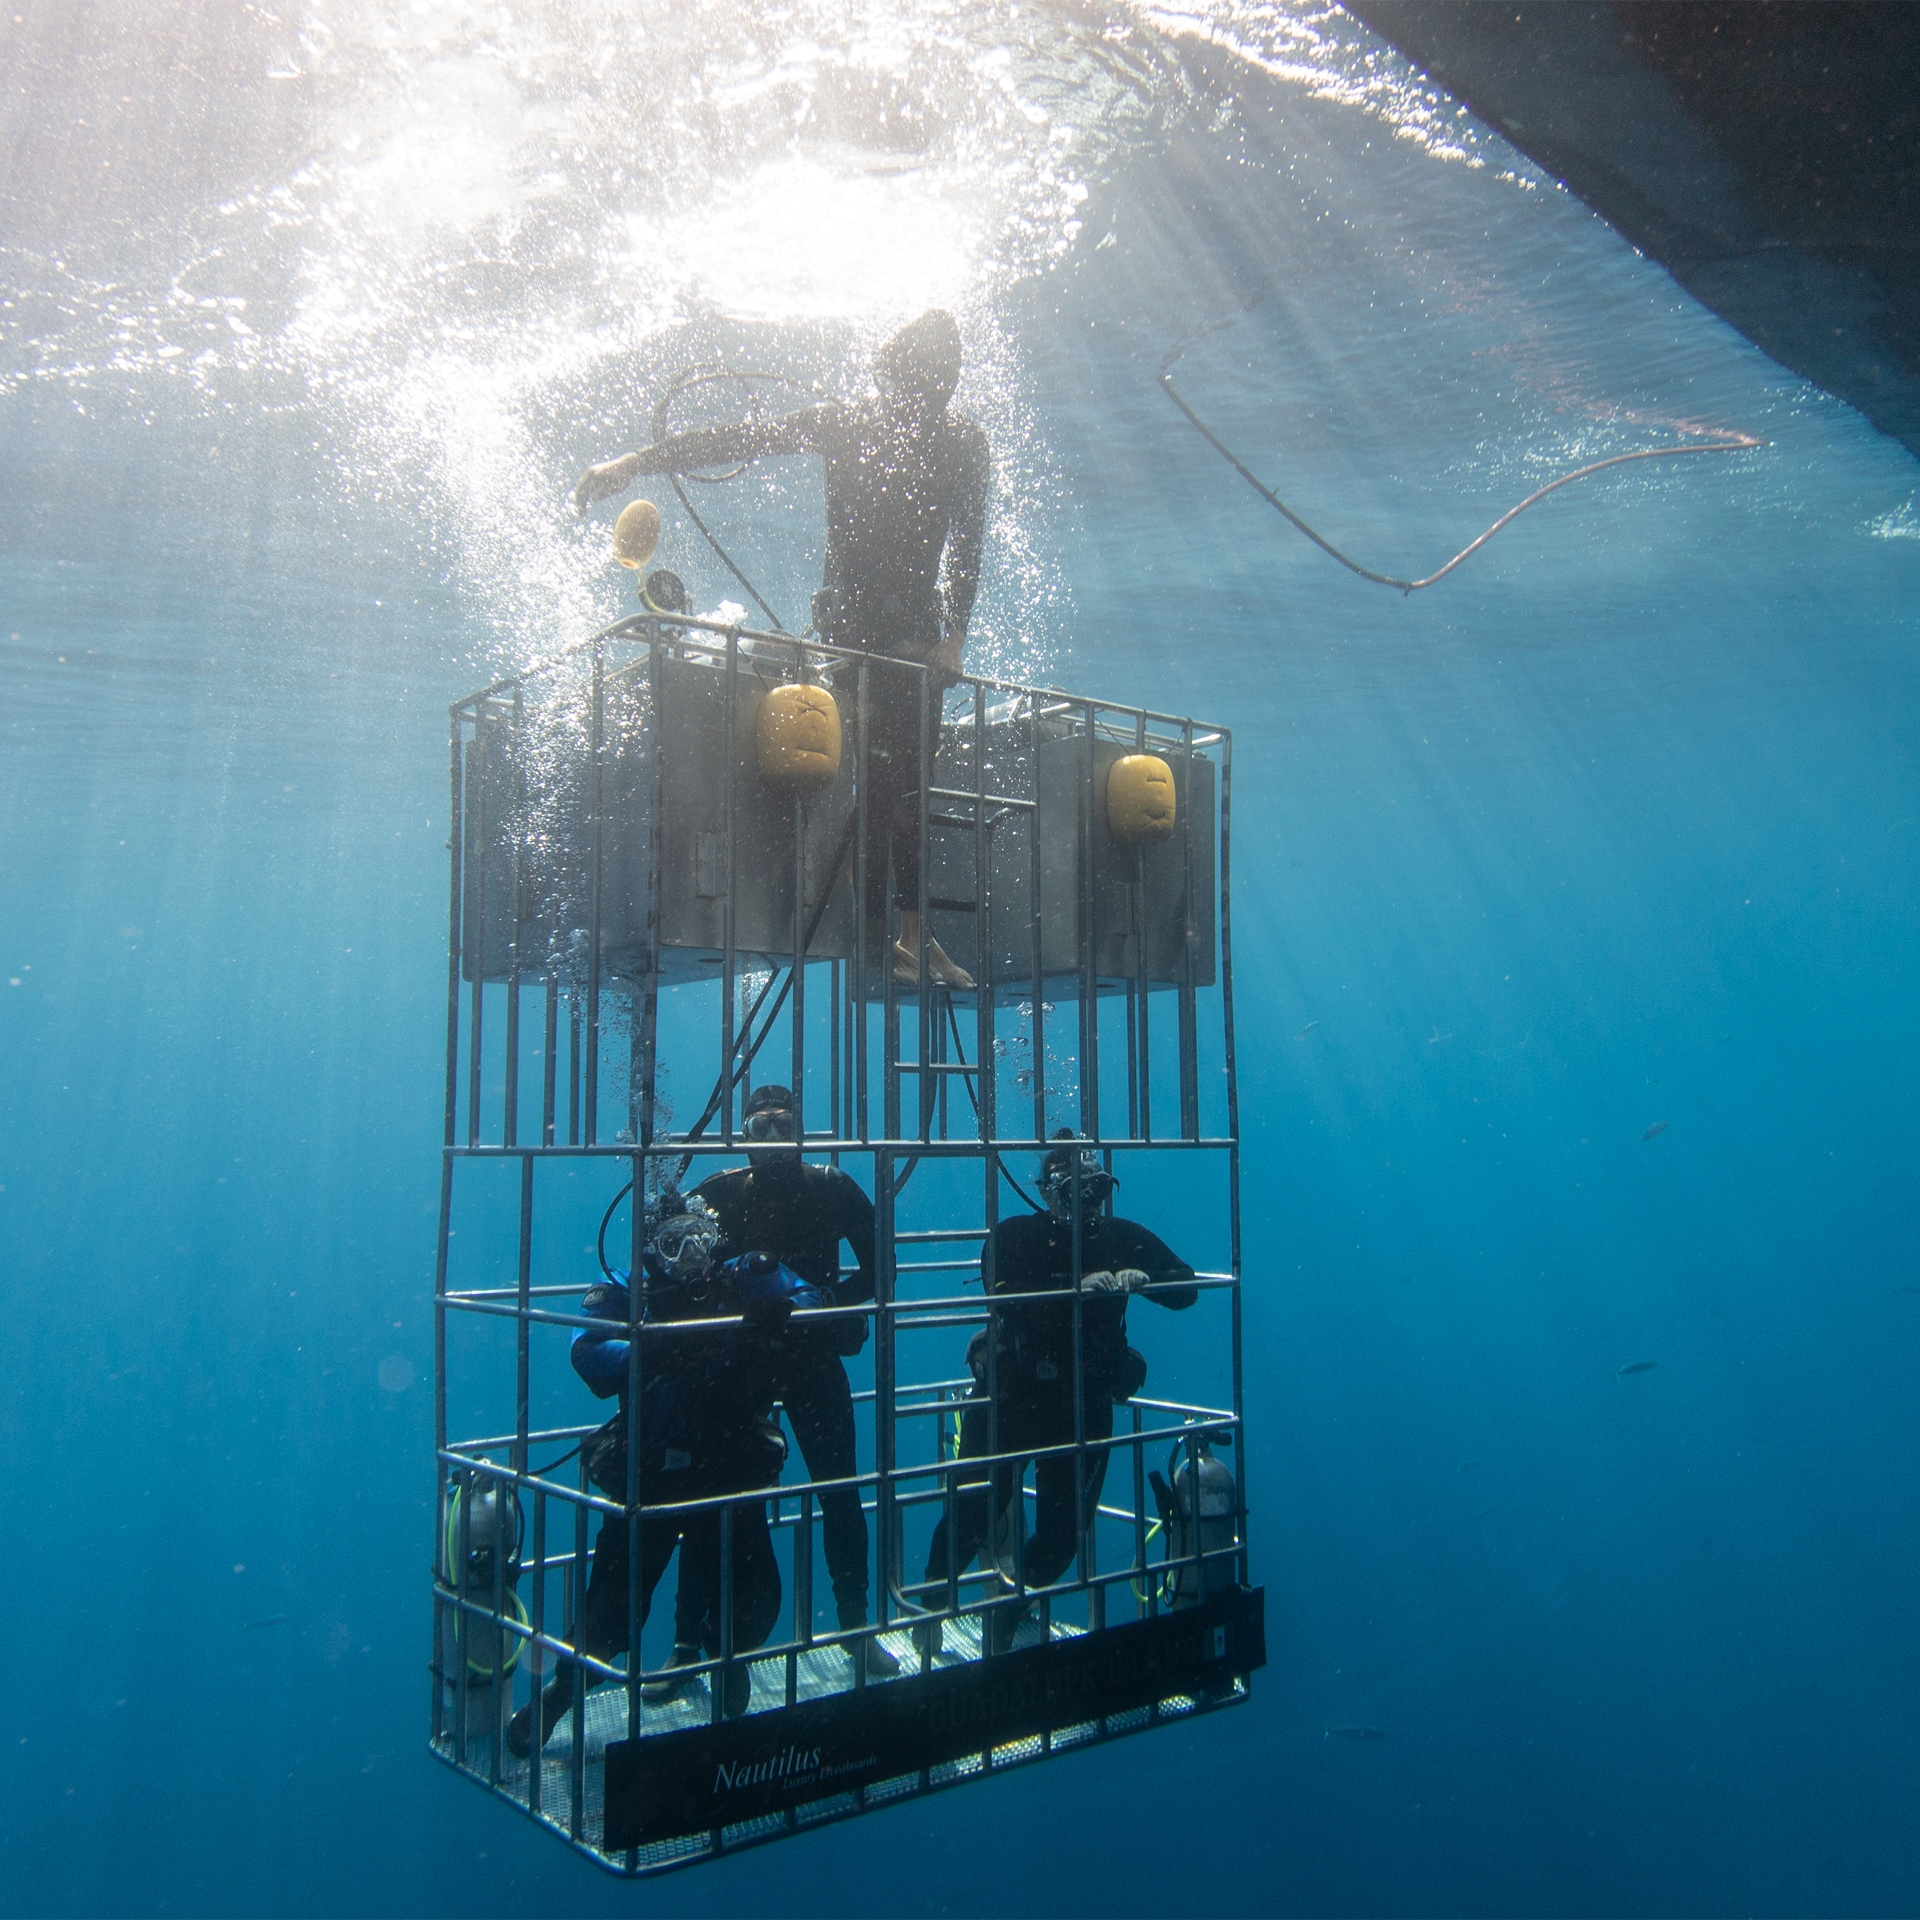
pixel 941 970
pixel 947 971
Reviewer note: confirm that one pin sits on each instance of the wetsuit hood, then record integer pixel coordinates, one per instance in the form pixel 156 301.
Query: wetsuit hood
pixel 769 1099
pixel 922 361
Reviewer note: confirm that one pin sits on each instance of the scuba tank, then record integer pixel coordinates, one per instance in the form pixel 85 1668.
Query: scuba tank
pixel 1200 1510
pixel 491 1527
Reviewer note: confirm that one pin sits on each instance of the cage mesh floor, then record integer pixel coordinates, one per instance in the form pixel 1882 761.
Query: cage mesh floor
pixel 817 1674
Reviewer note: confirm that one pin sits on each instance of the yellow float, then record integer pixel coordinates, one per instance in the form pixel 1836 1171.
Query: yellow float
pixel 1140 798
pixel 798 736
pixel 636 533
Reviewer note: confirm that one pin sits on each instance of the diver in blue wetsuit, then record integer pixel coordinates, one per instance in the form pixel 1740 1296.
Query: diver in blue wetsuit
pixel 706 1395
pixel 800 1214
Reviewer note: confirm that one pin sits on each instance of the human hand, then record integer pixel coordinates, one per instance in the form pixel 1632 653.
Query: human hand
pixel 1132 1279
pixel 1101 1282
pixel 612 476
pixel 946 656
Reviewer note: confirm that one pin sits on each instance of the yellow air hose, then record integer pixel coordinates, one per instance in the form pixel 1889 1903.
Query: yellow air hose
pixel 1159 1526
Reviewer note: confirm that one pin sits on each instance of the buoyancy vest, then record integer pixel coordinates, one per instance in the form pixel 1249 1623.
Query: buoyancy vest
pixel 705 1393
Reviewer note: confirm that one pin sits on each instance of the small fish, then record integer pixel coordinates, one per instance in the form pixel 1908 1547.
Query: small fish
pixel 1307 1029
pixel 1638 1366
pixel 1907 1289
pixel 1467 1466
pixel 1354 1733
pixel 272 1620
pixel 1437 1038
pixel 1659 1127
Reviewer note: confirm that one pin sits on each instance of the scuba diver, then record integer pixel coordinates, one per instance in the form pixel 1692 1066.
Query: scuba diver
pixel 800 1214
pixel 906 490
pixel 1033 1368
pixel 704 1430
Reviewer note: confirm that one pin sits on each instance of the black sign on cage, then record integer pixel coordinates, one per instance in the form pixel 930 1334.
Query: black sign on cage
pixel 701 841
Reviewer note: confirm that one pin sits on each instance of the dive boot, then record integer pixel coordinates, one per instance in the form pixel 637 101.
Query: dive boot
pixel 880 1663
pixel 554 1703
pixel 1003 1623
pixel 670 1679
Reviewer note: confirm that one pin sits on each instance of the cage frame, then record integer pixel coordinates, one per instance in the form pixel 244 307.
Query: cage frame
pixel 893 1491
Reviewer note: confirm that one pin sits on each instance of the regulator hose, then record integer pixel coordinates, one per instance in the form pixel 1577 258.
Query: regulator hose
pixel 1731 441
pixel 606 1219
pixel 684 381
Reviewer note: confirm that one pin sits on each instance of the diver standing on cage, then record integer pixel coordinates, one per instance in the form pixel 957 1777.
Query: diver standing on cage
pixel 1033 1368
pixel 800 1214
pixel 705 1397
pixel 906 497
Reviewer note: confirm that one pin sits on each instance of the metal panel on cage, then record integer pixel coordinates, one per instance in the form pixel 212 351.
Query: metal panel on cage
pixel 674 772
pixel 530 842
pixel 1159 892
pixel 671 738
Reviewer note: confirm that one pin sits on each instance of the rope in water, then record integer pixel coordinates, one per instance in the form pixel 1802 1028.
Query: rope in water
pixel 702 376
pixel 1728 442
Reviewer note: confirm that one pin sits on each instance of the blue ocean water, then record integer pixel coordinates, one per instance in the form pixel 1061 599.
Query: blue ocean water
pixel 1615 828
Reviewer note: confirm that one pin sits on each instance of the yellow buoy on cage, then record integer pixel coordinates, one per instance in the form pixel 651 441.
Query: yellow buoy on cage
pixel 798 736
pixel 1140 798
pixel 636 533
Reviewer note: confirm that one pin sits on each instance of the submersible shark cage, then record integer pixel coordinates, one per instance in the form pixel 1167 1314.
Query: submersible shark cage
pixel 664 874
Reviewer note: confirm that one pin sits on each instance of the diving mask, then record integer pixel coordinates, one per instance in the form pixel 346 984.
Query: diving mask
pixel 684 1244
pixel 1066 1167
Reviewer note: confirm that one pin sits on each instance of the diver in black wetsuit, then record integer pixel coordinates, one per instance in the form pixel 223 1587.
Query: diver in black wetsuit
pixel 1033 1367
pixel 705 1430
pixel 906 489
pixel 800 1214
